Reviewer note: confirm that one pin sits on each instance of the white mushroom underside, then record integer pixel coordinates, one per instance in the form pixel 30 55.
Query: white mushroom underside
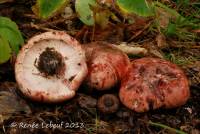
pixel 52 86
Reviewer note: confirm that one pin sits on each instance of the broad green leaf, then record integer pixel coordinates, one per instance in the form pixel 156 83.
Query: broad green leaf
pixel 84 11
pixel 5 50
pixel 9 31
pixel 47 8
pixel 139 7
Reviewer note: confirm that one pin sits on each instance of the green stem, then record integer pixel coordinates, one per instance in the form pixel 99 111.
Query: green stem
pixel 166 127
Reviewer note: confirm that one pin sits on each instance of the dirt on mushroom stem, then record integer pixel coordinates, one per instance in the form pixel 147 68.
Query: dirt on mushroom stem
pixel 50 62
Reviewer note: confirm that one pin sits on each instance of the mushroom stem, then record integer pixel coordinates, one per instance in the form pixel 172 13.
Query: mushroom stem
pixel 50 62
pixel 131 50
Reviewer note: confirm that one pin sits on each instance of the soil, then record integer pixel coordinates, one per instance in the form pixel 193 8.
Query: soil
pixel 80 115
pixel 50 62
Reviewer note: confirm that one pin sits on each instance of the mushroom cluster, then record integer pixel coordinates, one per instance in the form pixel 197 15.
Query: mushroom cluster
pixel 52 66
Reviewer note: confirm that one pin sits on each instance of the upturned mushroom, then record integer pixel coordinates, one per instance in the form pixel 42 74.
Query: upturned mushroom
pixel 153 83
pixel 108 103
pixel 50 67
pixel 106 65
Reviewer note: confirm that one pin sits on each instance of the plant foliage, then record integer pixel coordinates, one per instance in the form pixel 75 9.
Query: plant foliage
pixel 83 8
pixel 178 25
pixel 5 50
pixel 45 9
pixel 10 38
pixel 139 7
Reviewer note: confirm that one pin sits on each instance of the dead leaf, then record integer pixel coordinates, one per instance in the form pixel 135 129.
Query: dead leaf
pixel 137 28
pixel 155 51
pixel 112 34
pixel 193 70
pixel 161 41
pixel 163 17
pixel 4 1
pixel 10 102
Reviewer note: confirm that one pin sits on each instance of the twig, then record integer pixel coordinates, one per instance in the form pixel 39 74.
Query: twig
pixel 139 32
pixel 32 16
pixel 41 28
pixel 50 23
pixel 1 121
pixel 55 22
pixel 5 1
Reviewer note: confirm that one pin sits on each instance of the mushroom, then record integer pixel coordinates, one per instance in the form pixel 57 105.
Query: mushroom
pixel 153 83
pixel 50 67
pixel 106 65
pixel 108 103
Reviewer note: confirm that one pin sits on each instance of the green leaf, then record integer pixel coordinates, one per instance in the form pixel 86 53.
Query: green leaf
pixel 47 8
pixel 84 11
pixel 139 7
pixel 171 29
pixel 10 32
pixel 5 50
